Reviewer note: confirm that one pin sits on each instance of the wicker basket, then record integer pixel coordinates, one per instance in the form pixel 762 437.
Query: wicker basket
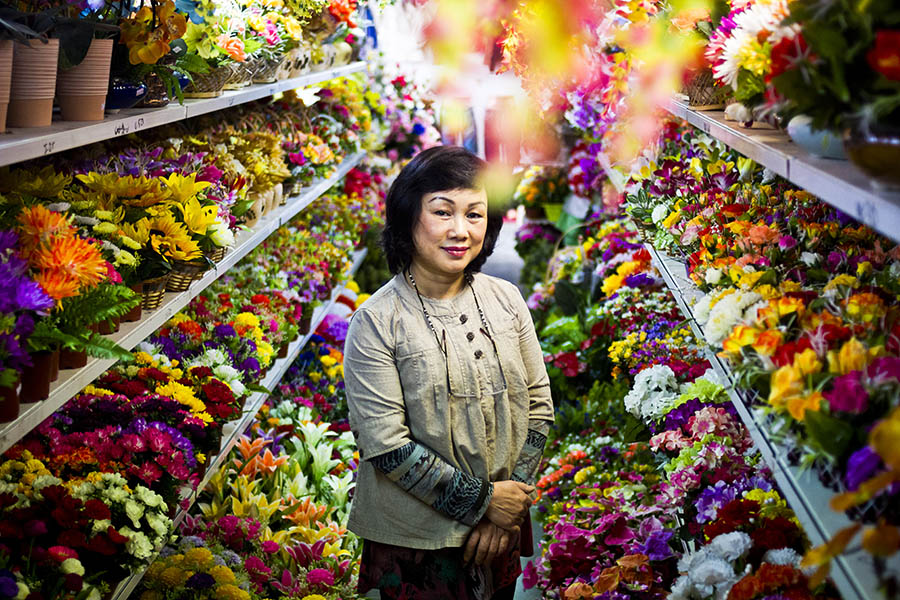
pixel 702 92
pixel 152 292
pixel 267 69
pixel 326 60
pixel 217 255
pixel 184 272
pixel 285 67
pixel 301 63
pixel 241 76
pixel 210 84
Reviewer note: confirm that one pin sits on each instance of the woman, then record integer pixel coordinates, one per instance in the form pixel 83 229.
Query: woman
pixel 449 398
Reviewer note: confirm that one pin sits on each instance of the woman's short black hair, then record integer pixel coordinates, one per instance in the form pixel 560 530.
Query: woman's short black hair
pixel 438 169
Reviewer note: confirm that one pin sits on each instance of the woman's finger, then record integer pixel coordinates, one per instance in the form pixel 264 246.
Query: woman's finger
pixel 471 544
pixel 484 547
pixel 496 538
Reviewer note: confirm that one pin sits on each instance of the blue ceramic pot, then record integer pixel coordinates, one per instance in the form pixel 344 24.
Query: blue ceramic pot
pixel 124 94
pixel 824 143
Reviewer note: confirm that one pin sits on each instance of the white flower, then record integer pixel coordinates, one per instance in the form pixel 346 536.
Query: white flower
pixel 654 391
pixel 660 212
pixel 738 112
pixel 221 235
pixel 94 595
pixel 809 258
pixel 148 496
pixel 713 276
pixel 138 544
pixel 782 556
pixel 134 511
pixel 680 589
pixel 711 572
pixel 159 524
pixel 72 565
pixel 701 309
pixel 731 546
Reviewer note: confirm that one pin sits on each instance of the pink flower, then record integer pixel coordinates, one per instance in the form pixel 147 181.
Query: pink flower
pixel 320 576
pixel 848 394
pixel 270 547
pixel 670 440
pixel 254 565
pixel 61 553
pixel 133 443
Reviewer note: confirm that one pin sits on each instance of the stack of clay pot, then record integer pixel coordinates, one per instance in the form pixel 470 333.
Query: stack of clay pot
pixel 81 90
pixel 33 83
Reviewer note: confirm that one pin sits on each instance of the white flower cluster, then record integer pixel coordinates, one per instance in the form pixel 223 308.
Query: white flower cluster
pixel 719 320
pixel 654 392
pixel 217 360
pixel 145 509
pixel 709 572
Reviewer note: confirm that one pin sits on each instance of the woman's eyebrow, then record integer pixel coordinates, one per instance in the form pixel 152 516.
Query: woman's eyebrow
pixel 444 198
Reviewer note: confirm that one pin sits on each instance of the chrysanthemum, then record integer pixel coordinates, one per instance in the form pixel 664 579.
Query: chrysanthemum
pixel 74 256
pixel 57 284
pixel 39 225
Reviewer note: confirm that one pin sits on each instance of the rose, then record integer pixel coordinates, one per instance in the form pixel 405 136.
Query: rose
pixel 884 56
pixel 848 394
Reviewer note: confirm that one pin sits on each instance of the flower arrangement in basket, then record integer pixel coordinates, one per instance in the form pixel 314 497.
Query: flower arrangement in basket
pixel 700 86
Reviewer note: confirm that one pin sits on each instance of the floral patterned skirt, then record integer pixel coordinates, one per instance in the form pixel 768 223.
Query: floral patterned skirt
pixel 412 574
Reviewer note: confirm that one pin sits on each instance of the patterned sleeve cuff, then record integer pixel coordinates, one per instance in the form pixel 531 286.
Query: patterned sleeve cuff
pixel 530 457
pixel 432 480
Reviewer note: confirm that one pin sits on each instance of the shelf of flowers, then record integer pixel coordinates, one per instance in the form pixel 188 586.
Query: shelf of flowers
pixel 128 443
pixel 796 304
pixel 71 381
pixel 26 144
pixel 855 577
pixel 236 429
pixel 837 182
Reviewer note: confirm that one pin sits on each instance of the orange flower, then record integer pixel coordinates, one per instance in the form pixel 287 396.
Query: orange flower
pixel 233 47
pixel 798 405
pixel 38 225
pixel 740 336
pixel 75 256
pixel 768 341
pixel 57 284
pixel 761 234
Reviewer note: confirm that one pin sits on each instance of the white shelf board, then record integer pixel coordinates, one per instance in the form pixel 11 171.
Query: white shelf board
pixel 22 144
pixel 836 182
pixel 251 407
pixel 853 573
pixel 72 381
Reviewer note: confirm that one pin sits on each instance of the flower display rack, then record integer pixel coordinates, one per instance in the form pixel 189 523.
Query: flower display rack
pixel 852 573
pixel 71 381
pixel 836 182
pixel 26 144
pixel 252 406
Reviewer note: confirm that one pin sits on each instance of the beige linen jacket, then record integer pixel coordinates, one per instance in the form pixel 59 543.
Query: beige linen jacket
pixel 396 383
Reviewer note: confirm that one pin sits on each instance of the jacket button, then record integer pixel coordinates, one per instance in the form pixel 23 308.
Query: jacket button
pixel 478 353
pixel 463 318
pixel 470 336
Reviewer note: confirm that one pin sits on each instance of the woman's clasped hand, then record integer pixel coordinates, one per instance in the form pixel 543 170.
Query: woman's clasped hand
pixel 501 523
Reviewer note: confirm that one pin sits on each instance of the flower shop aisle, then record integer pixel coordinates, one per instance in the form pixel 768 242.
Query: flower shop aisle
pixel 505 262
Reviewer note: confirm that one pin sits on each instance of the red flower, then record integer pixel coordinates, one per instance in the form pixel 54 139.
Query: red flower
pixel 96 509
pixel 61 553
pixel 114 536
pixel 74 582
pixel 784 355
pixel 884 56
pixel 73 538
pixel 260 299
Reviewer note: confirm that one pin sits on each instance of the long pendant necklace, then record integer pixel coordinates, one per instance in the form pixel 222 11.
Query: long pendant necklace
pixel 441 345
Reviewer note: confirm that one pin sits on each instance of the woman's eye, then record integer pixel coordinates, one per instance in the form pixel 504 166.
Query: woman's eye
pixel 441 213
pixel 474 215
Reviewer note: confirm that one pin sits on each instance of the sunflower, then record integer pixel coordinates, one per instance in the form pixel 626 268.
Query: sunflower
pixel 138 232
pixel 171 239
pixel 131 191
pixel 74 256
pixel 46 183
pixel 183 187
pixel 38 225
pixel 58 284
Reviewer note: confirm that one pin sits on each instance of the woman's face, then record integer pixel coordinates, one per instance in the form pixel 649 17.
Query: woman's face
pixel 450 231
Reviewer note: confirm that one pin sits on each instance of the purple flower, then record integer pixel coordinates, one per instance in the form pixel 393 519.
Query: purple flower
pixel 8 587
pixel 861 466
pixel 848 394
pixel 657 545
pixel 320 576
pixel 200 581
pixel 883 369
pixel 31 296
pixel 224 331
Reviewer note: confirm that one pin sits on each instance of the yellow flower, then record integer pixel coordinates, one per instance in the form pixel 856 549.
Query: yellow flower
pixel 173 577
pixel 231 592
pixel 314 597
pixel 844 279
pixel 885 439
pixel 198 218
pixel 786 383
pixel 222 574
pixel 672 219
pixel 246 319
pixel 768 342
pixel 198 559
pixel 95 391
pixel 798 405
pixel 327 360
pixel 852 357
pixel 739 337
pixel 184 187
pixel 172 240
pixel 807 362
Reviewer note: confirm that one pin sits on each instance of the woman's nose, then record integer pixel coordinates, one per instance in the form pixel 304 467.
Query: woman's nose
pixel 458 226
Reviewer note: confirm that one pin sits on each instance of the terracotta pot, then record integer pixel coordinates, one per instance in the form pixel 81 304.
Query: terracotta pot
pixel 81 90
pixel 9 403
pixel 69 359
pixel 36 378
pixel 6 57
pixel 135 313
pixel 54 365
pixel 304 324
pixel 33 83
pixel 110 327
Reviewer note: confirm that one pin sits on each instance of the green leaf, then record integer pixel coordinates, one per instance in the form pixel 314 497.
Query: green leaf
pixel 255 387
pixel 569 298
pixel 831 435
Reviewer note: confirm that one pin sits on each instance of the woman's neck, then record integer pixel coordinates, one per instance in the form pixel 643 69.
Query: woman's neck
pixel 437 285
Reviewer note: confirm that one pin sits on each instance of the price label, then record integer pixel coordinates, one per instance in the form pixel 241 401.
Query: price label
pixel 49 147
pixel 138 124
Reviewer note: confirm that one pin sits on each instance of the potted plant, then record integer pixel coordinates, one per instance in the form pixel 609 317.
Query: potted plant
pixel 34 66
pixel 842 73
